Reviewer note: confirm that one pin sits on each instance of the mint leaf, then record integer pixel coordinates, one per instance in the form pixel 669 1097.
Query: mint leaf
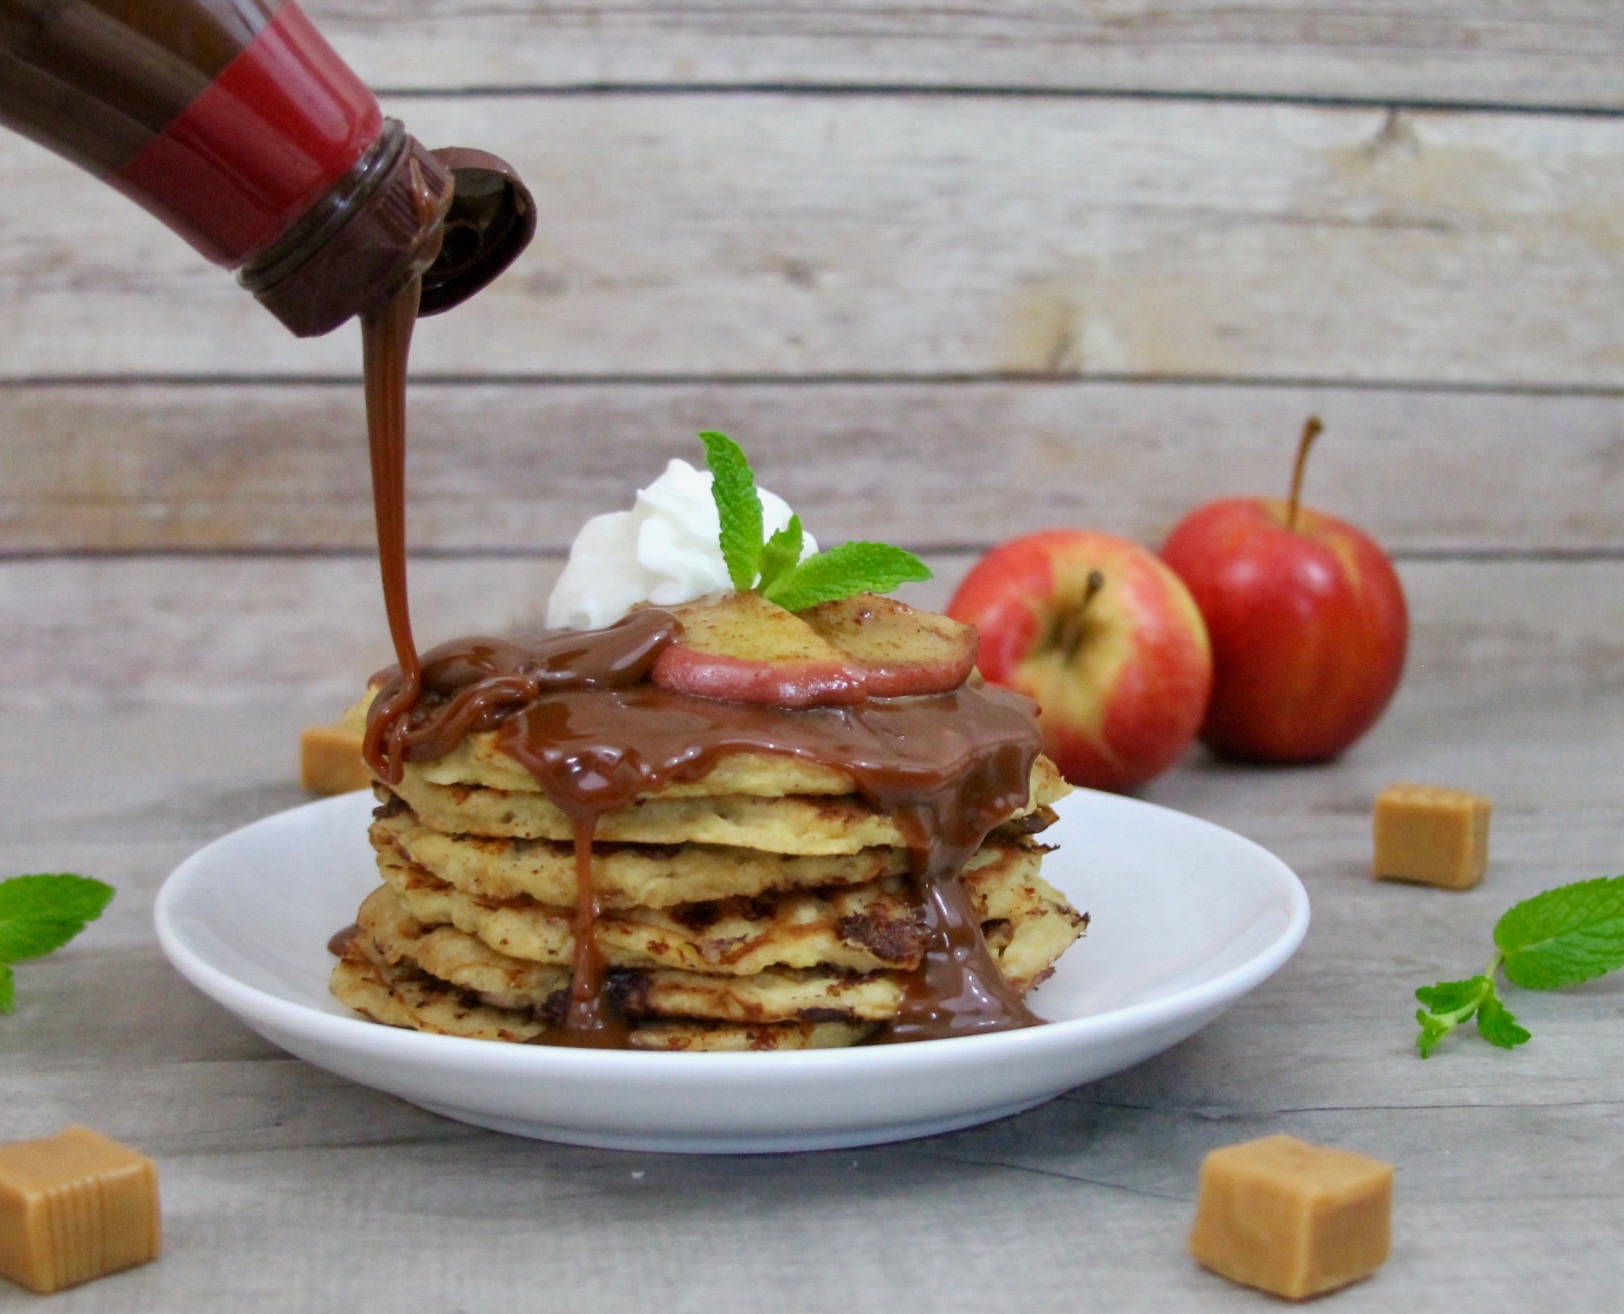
pixel 1496 1025
pixel 737 504
pixel 1432 1031
pixel 1447 1005
pixel 844 570
pixel 781 553
pixel 1452 996
pixel 1564 936
pixel 42 913
pixel 8 991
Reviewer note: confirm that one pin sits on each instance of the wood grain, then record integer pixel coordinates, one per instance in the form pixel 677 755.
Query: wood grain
pixel 932 235
pixel 517 467
pixel 1564 53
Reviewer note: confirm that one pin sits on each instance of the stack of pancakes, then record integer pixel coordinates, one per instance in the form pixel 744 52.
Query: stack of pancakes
pixel 765 906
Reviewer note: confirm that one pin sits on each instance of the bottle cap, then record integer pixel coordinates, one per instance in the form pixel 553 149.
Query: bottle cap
pixel 492 218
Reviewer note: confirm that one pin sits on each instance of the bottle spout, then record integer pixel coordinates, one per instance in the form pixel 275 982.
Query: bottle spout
pixel 491 220
pixel 456 217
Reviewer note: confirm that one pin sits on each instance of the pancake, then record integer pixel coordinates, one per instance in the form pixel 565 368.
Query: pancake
pixel 393 936
pixel 405 997
pixel 624 875
pixel 860 928
pixel 476 760
pixel 857 928
pixel 791 824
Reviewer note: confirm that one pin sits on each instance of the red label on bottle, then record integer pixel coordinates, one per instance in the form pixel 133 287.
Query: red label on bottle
pixel 283 122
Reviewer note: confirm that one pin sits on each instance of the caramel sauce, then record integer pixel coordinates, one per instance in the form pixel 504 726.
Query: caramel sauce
pixel 576 710
pixel 386 341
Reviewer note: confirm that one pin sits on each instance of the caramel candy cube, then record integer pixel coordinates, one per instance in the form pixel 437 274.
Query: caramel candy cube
pixel 1292 1218
pixel 1432 834
pixel 75 1207
pixel 330 760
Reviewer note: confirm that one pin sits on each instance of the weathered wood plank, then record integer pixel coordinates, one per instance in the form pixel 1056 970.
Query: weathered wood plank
pixel 518 466
pixel 126 632
pixel 131 632
pixel 945 1222
pixel 1063 1201
pixel 1481 50
pixel 805 236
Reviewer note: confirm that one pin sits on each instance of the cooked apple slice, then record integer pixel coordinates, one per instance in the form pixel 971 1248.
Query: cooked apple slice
pixel 902 649
pixel 740 647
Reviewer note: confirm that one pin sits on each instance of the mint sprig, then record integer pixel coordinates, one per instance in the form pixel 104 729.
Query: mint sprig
pixel 1449 1003
pixel 39 914
pixel 738 504
pixel 782 553
pixel 775 567
pixel 1562 937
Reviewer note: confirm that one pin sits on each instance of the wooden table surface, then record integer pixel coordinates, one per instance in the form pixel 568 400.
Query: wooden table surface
pixel 289 1189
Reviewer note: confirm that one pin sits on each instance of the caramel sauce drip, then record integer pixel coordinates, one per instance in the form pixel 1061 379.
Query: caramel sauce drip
pixel 576 710
pixel 386 341
pixel 589 1022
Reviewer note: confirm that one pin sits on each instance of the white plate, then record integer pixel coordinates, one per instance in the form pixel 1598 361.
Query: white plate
pixel 1187 918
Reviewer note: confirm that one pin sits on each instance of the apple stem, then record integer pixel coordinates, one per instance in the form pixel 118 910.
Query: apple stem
pixel 1070 636
pixel 1096 582
pixel 1311 431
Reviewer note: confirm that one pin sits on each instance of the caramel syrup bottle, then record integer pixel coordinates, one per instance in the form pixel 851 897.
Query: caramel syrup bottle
pixel 236 124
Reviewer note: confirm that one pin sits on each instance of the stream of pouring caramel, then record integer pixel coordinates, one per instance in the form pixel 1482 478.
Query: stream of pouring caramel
pixel 576 710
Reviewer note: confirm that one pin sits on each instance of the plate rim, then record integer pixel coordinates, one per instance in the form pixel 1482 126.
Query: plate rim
pixel 260 1007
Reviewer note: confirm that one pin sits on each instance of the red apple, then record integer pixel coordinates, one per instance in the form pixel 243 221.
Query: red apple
pixel 1105 638
pixel 1307 619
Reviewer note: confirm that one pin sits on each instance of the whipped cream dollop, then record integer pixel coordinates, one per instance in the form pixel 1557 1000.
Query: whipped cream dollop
pixel 665 550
